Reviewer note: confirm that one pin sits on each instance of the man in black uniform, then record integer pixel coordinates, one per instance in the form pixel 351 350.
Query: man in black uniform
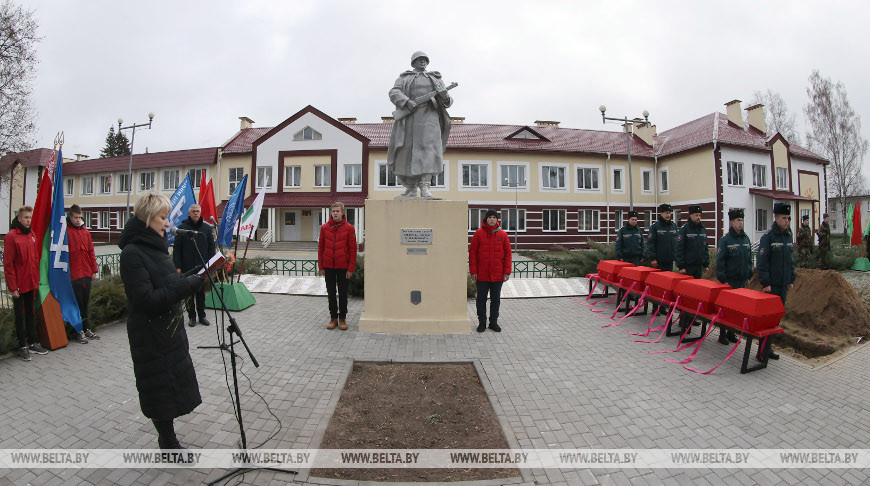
pixel 776 262
pixel 186 258
pixel 629 241
pixel 691 250
pixel 733 262
pixel 661 240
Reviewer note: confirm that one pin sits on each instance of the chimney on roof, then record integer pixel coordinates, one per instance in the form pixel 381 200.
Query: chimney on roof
pixel 755 114
pixel 546 123
pixel 81 157
pixel 735 116
pixel 646 131
pixel 457 119
pixel 245 123
pixel 347 120
pixel 387 119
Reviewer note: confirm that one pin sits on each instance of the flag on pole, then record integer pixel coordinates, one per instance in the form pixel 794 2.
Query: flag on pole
pixel 232 212
pixel 251 218
pixel 849 219
pixel 40 227
pixel 206 201
pixel 201 185
pixel 856 227
pixel 58 254
pixel 181 201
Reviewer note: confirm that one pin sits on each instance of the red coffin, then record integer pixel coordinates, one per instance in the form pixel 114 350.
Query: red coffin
pixel 609 269
pixel 762 310
pixel 661 283
pixel 636 276
pixel 694 291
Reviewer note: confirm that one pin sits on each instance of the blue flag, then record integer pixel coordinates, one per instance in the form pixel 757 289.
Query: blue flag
pixel 181 202
pixel 232 212
pixel 58 256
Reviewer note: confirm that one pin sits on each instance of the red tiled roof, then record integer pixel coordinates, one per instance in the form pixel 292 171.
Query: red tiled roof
pixel 242 141
pixel 203 156
pixel 38 157
pixel 784 195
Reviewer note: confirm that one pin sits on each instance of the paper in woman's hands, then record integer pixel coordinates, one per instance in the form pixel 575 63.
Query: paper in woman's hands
pixel 215 262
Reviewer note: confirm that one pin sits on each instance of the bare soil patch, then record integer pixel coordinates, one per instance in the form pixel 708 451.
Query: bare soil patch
pixel 414 406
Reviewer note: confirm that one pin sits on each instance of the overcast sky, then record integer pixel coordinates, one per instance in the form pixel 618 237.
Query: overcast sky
pixel 200 65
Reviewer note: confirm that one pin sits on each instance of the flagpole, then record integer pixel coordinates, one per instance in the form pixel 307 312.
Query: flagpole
pixel 238 231
pixel 242 269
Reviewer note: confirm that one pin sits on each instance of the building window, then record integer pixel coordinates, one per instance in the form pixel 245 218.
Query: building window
pixel 618 222
pixel 617 180
pixel 236 176
pixel 675 216
pixel 554 219
pixel 552 177
pixel 647 218
pixel 307 133
pixel 646 176
pixel 663 180
pixel 587 178
pixel 353 175
pixel 292 175
pixel 513 176
pixel 513 219
pixel 195 177
pixel 121 219
pixel 68 184
pixel 833 206
pixel 805 212
pixel 761 220
pixel 474 175
pixel 475 216
pixel 171 179
pixel 781 178
pixel 86 217
pixel 264 177
pixel 146 181
pixel 322 176
pixel 106 184
pixel 438 180
pixel 386 178
pixel 103 222
pixel 759 175
pixel 87 185
pixel 587 220
pixel 124 182
pixel 834 224
pixel 735 173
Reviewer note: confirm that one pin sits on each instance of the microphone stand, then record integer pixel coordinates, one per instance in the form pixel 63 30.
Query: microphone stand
pixel 233 328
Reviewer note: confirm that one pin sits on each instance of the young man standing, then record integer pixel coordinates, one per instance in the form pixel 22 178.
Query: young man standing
pixel 489 262
pixel 776 262
pixel 661 240
pixel 185 253
pixel 629 241
pixel 82 266
pixel 733 262
pixel 21 268
pixel 824 233
pixel 336 257
pixel 804 241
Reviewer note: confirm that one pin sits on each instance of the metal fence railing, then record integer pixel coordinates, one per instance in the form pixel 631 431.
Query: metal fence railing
pixel 293 268
pixel 537 269
pixel 109 265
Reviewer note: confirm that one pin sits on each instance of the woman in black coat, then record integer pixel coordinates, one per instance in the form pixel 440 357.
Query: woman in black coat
pixel 164 371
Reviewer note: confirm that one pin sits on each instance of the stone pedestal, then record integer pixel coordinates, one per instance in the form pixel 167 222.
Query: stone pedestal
pixel 419 286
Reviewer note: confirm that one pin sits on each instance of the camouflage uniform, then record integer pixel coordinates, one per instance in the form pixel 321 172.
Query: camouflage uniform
pixel 824 244
pixel 804 244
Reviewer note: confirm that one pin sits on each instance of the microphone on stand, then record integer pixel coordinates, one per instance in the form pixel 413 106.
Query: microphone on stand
pixel 178 231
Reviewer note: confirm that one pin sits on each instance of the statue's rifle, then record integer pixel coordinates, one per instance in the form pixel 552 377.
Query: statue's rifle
pixel 399 114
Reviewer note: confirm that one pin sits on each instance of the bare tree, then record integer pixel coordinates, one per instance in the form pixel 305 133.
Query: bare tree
pixel 835 132
pixel 778 117
pixel 18 39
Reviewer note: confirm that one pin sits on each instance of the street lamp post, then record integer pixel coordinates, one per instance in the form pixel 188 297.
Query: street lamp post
pixel 132 139
pixel 516 186
pixel 628 133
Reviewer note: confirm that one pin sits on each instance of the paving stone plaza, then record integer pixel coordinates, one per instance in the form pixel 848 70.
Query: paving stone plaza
pixel 555 377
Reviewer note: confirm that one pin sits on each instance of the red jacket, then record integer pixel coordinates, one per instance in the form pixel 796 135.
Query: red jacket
pixel 82 261
pixel 489 255
pixel 20 264
pixel 336 246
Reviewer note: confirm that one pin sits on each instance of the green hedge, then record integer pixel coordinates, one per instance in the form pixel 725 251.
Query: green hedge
pixel 356 285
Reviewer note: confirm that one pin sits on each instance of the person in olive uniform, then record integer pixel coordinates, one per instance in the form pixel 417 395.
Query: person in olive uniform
pixel 691 249
pixel 733 262
pixel 629 241
pixel 804 241
pixel 776 261
pixel 661 241
pixel 824 233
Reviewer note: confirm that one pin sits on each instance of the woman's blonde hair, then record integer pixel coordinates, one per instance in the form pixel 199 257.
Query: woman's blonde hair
pixel 150 205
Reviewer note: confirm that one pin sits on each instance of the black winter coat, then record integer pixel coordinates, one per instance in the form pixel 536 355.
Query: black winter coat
pixel 183 252
pixel 164 371
pixel 692 246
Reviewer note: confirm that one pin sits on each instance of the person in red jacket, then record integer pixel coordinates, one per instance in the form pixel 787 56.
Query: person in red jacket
pixel 21 267
pixel 336 257
pixel 82 266
pixel 489 261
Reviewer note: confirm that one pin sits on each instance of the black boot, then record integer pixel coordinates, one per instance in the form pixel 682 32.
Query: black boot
pixel 481 325
pixel 166 438
pixel 723 338
pixel 731 336
pixel 494 326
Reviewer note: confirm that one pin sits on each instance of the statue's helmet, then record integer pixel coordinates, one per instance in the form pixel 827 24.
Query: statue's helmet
pixel 417 55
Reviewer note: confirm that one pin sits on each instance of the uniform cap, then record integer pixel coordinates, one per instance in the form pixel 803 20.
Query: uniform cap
pixel 734 213
pixel 782 208
pixel 664 207
pixel 694 209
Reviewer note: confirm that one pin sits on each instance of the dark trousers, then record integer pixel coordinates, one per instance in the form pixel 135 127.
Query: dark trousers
pixel 666 265
pixel 634 260
pixel 196 305
pixel 82 291
pixel 694 270
pixel 780 291
pixel 494 291
pixel 336 279
pixel 23 307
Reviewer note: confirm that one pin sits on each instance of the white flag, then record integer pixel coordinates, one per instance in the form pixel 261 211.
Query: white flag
pixel 251 218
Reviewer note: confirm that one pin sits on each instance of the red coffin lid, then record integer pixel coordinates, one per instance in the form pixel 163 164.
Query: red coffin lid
pixel 751 302
pixel 700 289
pixel 637 274
pixel 612 266
pixel 666 280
